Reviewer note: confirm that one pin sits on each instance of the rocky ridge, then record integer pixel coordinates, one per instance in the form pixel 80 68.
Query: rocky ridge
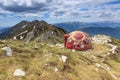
pixel 39 31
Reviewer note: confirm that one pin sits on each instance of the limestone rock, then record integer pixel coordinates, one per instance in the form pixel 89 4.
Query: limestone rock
pixel 56 69
pixel 64 58
pixel 98 65
pixel 19 72
pixel 8 51
pixel 101 39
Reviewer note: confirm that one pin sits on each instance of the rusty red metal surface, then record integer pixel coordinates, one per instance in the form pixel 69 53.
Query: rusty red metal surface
pixel 77 40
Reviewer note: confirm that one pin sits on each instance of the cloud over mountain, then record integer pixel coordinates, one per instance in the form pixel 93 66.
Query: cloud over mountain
pixel 63 10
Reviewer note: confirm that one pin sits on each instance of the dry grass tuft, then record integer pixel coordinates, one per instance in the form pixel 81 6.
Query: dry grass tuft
pixel 40 63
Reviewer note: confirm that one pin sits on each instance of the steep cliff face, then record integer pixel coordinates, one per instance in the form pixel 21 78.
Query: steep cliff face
pixel 36 30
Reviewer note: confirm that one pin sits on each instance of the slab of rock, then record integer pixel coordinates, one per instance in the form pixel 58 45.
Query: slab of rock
pixel 99 65
pixel 73 50
pixel 64 58
pixel 19 72
pixel 107 67
pixel 60 45
pixel 8 51
pixel 93 57
pixel 14 38
pixel 56 69
pixel 114 48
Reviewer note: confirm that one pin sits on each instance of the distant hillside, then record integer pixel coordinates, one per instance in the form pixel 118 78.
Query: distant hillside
pixel 39 31
pixel 3 29
pixel 114 32
pixel 108 28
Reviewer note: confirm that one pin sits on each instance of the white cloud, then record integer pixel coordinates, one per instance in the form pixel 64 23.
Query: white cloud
pixel 2 11
pixel 22 2
pixel 30 15
pixel 83 10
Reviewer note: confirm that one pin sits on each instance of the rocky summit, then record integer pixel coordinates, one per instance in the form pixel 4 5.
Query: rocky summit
pixel 39 31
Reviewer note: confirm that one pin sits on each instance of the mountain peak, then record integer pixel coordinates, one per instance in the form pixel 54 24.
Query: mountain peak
pixel 35 21
pixel 24 21
pixel 43 21
pixel 36 30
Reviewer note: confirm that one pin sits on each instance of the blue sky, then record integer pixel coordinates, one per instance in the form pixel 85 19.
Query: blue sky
pixel 56 11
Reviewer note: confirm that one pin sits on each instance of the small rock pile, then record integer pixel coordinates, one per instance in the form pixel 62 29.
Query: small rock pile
pixel 101 39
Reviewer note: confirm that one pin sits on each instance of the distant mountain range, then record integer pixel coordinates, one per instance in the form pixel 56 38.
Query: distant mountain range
pixel 114 32
pixel 93 28
pixel 35 30
pixel 39 31
pixel 3 29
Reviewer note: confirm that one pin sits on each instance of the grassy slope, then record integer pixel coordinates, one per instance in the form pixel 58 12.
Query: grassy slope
pixel 39 64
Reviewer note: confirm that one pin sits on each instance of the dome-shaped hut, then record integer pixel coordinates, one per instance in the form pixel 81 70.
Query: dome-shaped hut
pixel 77 40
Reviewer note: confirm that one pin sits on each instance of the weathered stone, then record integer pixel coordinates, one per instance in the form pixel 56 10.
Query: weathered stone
pixel 19 72
pixel 56 69
pixel 101 39
pixel 64 58
pixel 8 51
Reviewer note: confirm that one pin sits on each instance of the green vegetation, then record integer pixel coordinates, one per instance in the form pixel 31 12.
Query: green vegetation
pixel 118 60
pixel 40 62
pixel 115 41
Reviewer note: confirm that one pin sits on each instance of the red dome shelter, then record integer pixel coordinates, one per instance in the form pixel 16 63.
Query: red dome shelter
pixel 77 40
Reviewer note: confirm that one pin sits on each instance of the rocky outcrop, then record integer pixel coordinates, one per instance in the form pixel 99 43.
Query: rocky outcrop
pixel 8 51
pixel 101 39
pixel 39 31
pixel 106 40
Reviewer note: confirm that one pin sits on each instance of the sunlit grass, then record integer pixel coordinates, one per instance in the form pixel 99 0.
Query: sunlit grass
pixel 40 63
